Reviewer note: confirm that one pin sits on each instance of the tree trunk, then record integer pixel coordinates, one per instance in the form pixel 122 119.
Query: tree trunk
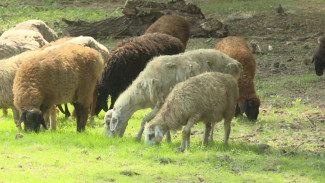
pixel 139 15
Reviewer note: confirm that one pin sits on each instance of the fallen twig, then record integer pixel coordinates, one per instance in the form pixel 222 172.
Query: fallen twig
pixel 293 149
pixel 311 121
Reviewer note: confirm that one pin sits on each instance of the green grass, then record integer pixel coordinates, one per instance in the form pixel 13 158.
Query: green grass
pixel 68 156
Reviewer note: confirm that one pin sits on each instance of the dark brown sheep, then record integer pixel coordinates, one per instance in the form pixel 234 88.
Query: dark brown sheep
pixel 173 25
pixel 319 57
pixel 248 101
pixel 127 59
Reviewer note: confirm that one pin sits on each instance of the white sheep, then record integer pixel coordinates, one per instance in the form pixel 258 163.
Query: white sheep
pixel 63 74
pixel 8 68
pixel 29 35
pixel 208 97
pixel 159 77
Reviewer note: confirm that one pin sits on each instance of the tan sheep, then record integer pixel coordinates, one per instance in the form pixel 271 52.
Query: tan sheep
pixel 159 77
pixel 64 74
pixel 208 97
pixel 237 49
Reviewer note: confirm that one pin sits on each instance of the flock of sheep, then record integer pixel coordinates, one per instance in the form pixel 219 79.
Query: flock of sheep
pixel 39 72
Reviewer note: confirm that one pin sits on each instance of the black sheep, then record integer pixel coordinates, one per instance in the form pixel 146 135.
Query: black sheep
pixel 127 59
pixel 319 57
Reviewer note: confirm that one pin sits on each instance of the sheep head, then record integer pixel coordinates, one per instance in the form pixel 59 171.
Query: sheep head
pixel 33 119
pixel 115 124
pixel 319 57
pixel 153 134
pixel 251 108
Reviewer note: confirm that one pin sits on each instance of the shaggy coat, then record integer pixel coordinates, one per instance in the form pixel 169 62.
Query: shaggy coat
pixel 29 35
pixel 248 101
pixel 127 59
pixel 156 81
pixel 8 68
pixel 64 74
pixel 173 25
pixel 208 97
pixel 319 57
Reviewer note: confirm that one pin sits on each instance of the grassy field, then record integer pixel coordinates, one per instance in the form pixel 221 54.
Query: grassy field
pixel 285 144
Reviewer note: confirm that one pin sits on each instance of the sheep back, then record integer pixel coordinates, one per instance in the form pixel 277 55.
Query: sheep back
pixel 319 57
pixel 18 41
pixel 38 26
pixel 237 48
pixel 128 58
pixel 173 25
pixel 83 41
pixel 64 74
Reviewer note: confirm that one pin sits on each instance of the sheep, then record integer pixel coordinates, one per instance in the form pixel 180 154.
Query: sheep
pixel 208 97
pixel 29 35
pixel 38 26
pixel 319 57
pixel 237 49
pixel 173 25
pixel 63 74
pixel 154 83
pixel 8 68
pixel 86 41
pixel 127 59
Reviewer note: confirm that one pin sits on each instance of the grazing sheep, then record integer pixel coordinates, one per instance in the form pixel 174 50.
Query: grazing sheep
pixel 127 59
pixel 237 49
pixel 159 77
pixel 173 25
pixel 63 74
pixel 8 68
pixel 29 35
pixel 319 57
pixel 208 97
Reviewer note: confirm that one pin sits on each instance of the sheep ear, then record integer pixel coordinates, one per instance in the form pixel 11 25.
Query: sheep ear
pixel 22 118
pixel 243 106
pixel 108 117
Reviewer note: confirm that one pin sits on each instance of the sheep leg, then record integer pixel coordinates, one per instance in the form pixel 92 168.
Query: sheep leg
pixel 16 117
pixel 187 133
pixel 82 115
pixel 113 99
pixel 168 137
pixel 206 134
pixel 212 129
pixel 67 112
pixel 146 119
pixel 227 129
pixel 5 112
pixel 53 118
pixel 93 105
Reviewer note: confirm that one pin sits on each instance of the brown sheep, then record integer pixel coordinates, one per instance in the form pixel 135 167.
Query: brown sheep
pixel 248 101
pixel 63 74
pixel 173 25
